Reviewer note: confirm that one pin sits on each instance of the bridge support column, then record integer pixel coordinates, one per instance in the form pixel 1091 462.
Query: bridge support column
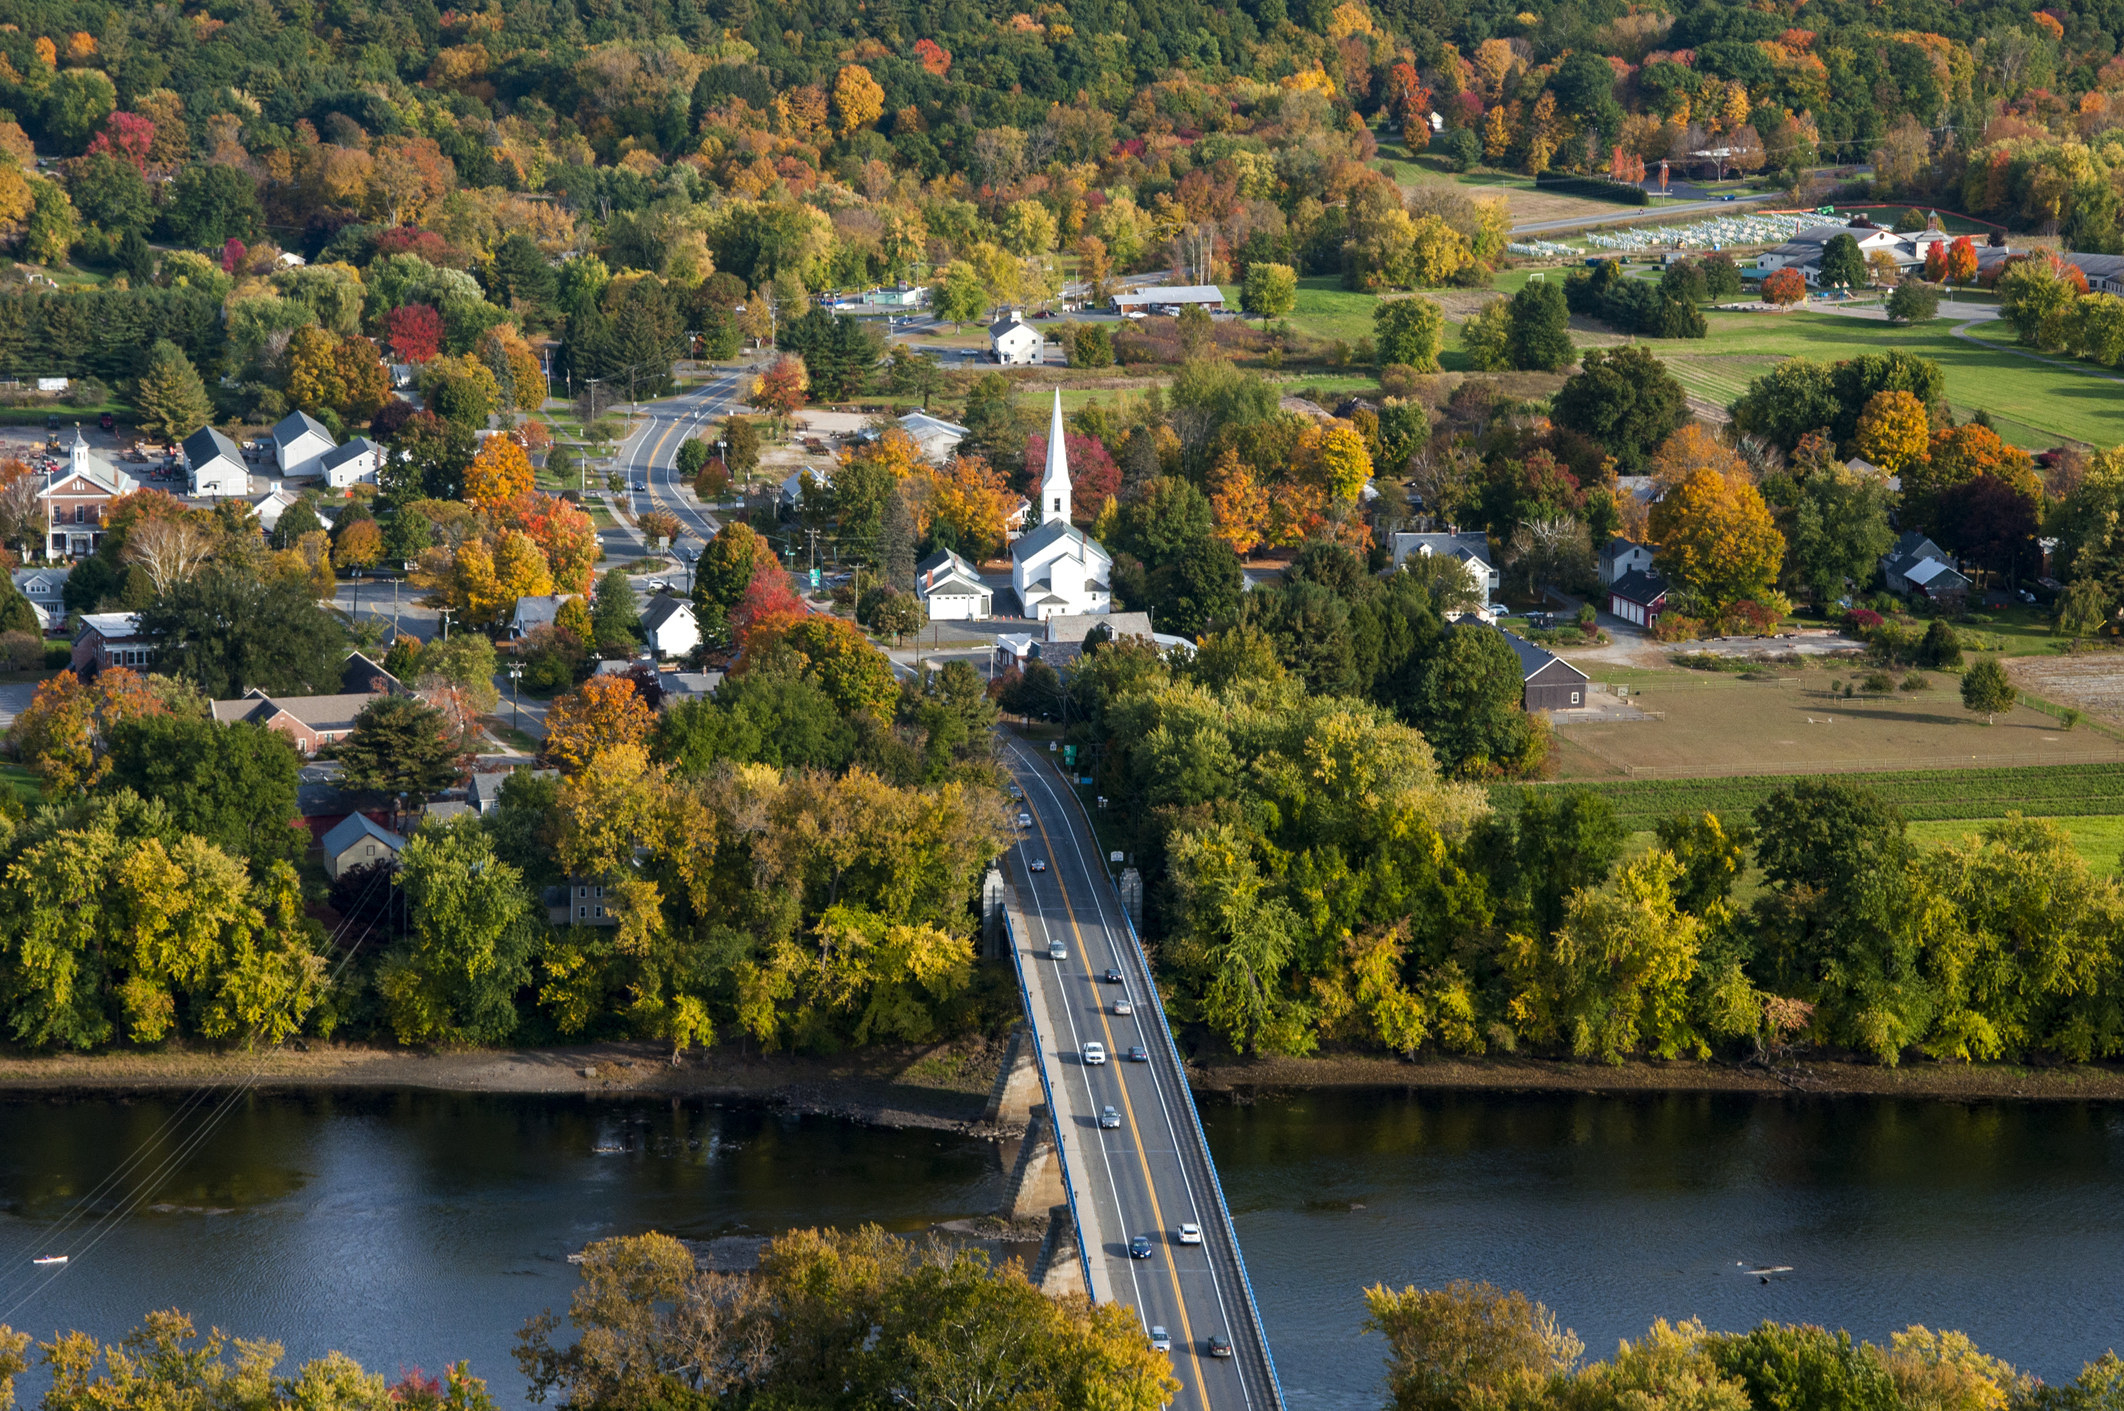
pixel 1035 1185
pixel 995 934
pixel 1058 1270
pixel 1130 886
pixel 1017 1087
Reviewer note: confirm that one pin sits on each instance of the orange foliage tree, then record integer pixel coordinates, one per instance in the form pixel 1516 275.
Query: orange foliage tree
pixel 1784 286
pixel 783 387
pixel 498 474
pixel 975 500
pixel 1238 503
pixel 1716 539
pixel 602 712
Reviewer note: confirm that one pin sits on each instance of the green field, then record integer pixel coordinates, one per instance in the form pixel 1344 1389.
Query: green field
pixel 2036 402
pixel 1933 795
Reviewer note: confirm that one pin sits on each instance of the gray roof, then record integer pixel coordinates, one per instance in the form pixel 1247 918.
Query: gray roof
pixel 1004 325
pixel 294 424
pixel 317 712
pixel 206 443
pixel 49 580
pixel 340 455
pixel 1911 550
pixel 353 828
pixel 362 672
pixel 538 611
pixel 1028 544
pixel 1533 660
pixel 1075 627
pixel 1469 544
pixel 1640 587
pixel 661 609
pixel 1172 294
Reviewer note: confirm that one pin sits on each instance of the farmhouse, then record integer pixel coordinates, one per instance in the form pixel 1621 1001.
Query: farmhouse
pixel 1619 556
pixel 1917 565
pixel 1014 341
pixel 1551 683
pixel 1471 549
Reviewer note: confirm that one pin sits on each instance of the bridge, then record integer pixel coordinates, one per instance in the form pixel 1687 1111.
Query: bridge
pixel 1151 1173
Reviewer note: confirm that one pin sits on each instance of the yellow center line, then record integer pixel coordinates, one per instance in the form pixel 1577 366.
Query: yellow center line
pixel 1150 1187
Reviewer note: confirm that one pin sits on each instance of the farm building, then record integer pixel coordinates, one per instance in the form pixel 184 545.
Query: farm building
pixel 1639 596
pixel 1551 683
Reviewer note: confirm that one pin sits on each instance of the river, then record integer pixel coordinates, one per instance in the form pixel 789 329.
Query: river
pixel 412 1228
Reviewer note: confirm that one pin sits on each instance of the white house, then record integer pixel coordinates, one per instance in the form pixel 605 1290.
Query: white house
pixel 1057 568
pixel 1619 556
pixel 535 612
pixel 213 466
pixel 358 841
pixel 1013 340
pixel 352 464
pixel 668 626
pixel 1803 251
pixel 1471 550
pixel 270 506
pixel 46 590
pixel 300 443
pixel 936 437
pixel 950 590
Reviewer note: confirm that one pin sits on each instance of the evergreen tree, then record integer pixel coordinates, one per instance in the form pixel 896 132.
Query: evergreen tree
pixel 617 617
pixel 171 399
pixel 896 542
pixel 400 745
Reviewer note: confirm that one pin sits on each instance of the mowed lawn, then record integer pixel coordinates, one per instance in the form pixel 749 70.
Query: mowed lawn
pixel 2098 839
pixel 1728 726
pixel 2045 399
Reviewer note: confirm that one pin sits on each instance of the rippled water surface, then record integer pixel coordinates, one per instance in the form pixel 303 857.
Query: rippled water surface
pixel 409 1229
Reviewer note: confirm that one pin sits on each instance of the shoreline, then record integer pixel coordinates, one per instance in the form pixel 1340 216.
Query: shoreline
pixel 945 1088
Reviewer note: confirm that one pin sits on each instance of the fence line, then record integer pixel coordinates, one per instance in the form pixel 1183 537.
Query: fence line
pixel 1867 766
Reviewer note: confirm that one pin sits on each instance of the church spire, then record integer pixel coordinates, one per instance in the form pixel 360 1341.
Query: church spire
pixel 1054 485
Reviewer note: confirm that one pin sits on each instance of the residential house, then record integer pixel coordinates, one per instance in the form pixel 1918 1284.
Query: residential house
pixel 1551 683
pixel 1057 568
pixel 535 612
pixel 77 498
pixel 1014 341
pixel 1470 548
pixel 950 589
pixel 936 437
pixel 578 903
pixel 213 465
pixel 352 464
pixel 107 639
pixel 270 506
pixel 1619 556
pixel 668 626
pixel 1917 565
pixel 365 675
pixel 2105 273
pixel 300 444
pixel 46 590
pixel 1168 298
pixel 359 841
pixel 312 722
pixel 1639 596
pixel 1060 639
pixel 687 686
pixel 792 493
pixel 485 790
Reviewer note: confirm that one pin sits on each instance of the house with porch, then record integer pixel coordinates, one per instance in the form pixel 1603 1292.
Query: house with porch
pixel 77 498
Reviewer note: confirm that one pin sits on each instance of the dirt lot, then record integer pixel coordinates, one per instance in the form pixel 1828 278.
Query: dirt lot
pixel 1724 725
pixel 2093 682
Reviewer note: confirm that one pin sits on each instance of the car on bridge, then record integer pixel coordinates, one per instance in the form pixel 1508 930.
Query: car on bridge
pixel 1112 975
pixel 1190 1234
pixel 1161 1340
pixel 1095 1055
pixel 1122 1006
pixel 1109 1118
pixel 1057 951
pixel 1137 1053
pixel 1038 864
pixel 1140 1247
pixel 1220 1345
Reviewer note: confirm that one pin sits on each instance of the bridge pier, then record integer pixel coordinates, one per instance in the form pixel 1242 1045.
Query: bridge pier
pixel 1017 1087
pixel 995 926
pixel 1058 1270
pixel 1035 1185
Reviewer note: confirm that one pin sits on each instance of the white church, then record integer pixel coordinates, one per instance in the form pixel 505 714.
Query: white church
pixel 1057 569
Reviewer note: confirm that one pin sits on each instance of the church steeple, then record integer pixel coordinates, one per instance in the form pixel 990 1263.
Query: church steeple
pixel 1054 485
pixel 77 455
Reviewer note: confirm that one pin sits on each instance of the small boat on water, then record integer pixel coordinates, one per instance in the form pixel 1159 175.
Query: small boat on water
pixel 44 1260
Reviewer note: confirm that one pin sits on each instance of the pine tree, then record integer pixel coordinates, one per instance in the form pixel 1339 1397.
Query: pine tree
pixel 617 617
pixel 896 542
pixel 169 395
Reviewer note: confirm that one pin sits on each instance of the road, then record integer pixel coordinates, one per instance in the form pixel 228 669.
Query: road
pixel 650 454
pixel 1153 1172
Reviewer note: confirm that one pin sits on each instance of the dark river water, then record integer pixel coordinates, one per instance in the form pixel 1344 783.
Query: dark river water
pixel 413 1228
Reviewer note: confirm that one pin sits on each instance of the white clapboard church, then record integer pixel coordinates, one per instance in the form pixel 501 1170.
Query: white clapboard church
pixel 1057 569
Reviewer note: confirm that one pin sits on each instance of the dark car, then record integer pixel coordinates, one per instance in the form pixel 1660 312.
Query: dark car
pixel 1112 976
pixel 1137 1053
pixel 1220 1345
pixel 1140 1248
pixel 107 421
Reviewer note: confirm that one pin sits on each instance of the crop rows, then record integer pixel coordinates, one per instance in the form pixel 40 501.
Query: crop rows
pixel 2066 790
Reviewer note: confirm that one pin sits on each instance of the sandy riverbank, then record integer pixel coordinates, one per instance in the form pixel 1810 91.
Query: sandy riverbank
pixel 945 1088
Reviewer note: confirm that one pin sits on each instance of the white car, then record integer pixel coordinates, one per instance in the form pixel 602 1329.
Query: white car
pixel 1161 1340
pixel 1095 1055
pixel 1122 1006
pixel 1025 820
pixel 1190 1234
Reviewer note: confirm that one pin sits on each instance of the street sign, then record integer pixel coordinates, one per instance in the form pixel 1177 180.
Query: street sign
pixel 814 578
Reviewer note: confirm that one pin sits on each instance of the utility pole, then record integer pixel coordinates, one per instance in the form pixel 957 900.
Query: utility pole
pixel 516 674
pixel 445 615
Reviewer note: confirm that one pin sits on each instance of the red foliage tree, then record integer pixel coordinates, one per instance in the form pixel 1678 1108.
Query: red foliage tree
pixel 125 135
pixel 1961 260
pixel 412 240
pixel 1785 286
pixel 415 332
pixel 934 56
pixel 232 253
pixel 1092 472
pixel 770 600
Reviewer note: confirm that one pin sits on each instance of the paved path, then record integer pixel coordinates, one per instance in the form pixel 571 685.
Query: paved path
pixel 1962 331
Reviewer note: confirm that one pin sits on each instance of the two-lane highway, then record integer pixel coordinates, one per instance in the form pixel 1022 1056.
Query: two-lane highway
pixel 1151 1174
pixel 649 455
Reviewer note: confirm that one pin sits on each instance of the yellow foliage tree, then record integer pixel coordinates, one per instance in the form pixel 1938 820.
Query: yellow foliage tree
pixel 1238 502
pixel 1344 463
pixel 857 100
pixel 1893 431
pixel 605 712
pixel 1716 538
pixel 975 500
pixel 520 570
pixel 498 473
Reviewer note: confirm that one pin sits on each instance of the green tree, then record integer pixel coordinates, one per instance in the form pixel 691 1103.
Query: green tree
pixel 772 716
pixel 1941 649
pixel 1271 291
pixel 1541 329
pixel 1409 331
pixel 233 785
pixel 212 203
pixel 226 630
pixel 1624 399
pixel 616 617
pixel 961 297
pixel 724 572
pixel 1469 705
pixel 111 196
pixel 1486 337
pixel 49 233
pixel 1987 690
pixel 454 978
pixel 171 400
pixel 1843 267
pixel 1913 301
pixel 1823 835
pixel 400 745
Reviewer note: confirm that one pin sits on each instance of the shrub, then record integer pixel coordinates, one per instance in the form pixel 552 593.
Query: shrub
pixel 21 651
pixel 1915 681
pixel 1748 617
pixel 1677 627
pixel 1862 620
pixel 1398 380
pixel 1941 648
pixel 2069 718
pixel 1880 683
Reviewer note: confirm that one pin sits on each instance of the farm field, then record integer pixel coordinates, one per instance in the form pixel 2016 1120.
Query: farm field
pixel 1526 201
pixel 1794 725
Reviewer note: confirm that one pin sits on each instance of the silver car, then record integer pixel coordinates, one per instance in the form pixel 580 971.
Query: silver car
pixel 1161 1340
pixel 1109 1118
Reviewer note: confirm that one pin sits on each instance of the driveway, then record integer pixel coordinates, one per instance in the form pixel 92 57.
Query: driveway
pixel 13 697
